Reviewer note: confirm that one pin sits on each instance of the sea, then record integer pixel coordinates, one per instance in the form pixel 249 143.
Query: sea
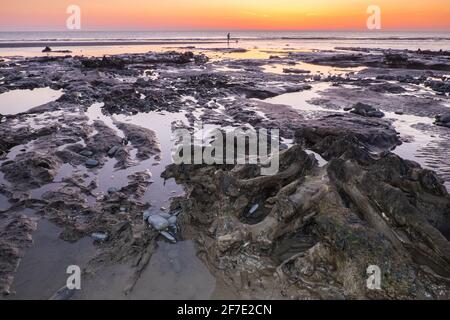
pixel 111 42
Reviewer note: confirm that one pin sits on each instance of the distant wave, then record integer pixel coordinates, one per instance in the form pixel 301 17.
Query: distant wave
pixel 78 43
pixel 370 38
pixel 175 39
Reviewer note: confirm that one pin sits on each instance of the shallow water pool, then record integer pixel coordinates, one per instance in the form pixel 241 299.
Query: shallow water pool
pixel 18 101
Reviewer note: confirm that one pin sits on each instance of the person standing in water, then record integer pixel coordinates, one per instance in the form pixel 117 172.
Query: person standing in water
pixel 228 38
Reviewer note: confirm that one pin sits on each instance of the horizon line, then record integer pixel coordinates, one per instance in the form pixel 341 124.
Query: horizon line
pixel 230 29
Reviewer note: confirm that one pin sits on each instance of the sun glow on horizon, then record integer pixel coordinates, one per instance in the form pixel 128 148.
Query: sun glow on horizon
pixel 227 14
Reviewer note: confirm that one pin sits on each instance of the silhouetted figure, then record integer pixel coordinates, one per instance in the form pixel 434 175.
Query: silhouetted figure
pixel 228 38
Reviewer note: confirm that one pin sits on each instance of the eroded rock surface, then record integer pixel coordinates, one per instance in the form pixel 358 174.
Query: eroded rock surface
pixel 315 231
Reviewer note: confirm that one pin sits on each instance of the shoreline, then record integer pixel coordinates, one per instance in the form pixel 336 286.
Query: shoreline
pixel 93 42
pixel 57 44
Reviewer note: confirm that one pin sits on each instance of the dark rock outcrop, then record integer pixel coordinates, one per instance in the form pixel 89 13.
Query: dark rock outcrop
pixel 310 232
pixel 443 120
pixel 350 136
pixel 365 110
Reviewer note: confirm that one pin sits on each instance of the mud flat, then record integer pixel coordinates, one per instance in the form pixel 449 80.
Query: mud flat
pixel 88 170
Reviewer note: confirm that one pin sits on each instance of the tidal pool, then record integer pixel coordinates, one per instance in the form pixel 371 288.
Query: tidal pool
pixel 18 101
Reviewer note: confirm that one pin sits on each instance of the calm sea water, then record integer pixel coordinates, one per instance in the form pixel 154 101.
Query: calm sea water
pixel 248 35
pixel 324 40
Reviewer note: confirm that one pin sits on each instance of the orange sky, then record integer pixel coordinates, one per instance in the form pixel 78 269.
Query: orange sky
pixel 224 14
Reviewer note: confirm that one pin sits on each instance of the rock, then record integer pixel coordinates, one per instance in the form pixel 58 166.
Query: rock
pixel 165 215
pixel 229 241
pixel 172 220
pixel 31 169
pixel 105 62
pixel 399 113
pixel 176 212
pixel 104 138
pixel 63 294
pixel 387 88
pixel 48 49
pixel 112 151
pixel 296 71
pixel 143 139
pixel 99 236
pixel 168 236
pixel 395 59
pixel 443 120
pixel 113 190
pixel 146 215
pixel 253 209
pixel 86 153
pixel 252 90
pixel 92 163
pixel 158 222
pixel 325 225
pixel 442 87
pixel 366 110
pixel 348 135
pixel 16 232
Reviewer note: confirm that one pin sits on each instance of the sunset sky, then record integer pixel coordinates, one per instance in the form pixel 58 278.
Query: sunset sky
pixel 224 14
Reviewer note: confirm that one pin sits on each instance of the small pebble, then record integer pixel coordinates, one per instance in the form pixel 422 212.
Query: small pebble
pixel 99 236
pixel 158 222
pixel 165 215
pixel 146 215
pixel 91 163
pixel 168 236
pixel 113 190
pixel 86 153
pixel 253 208
pixel 172 220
